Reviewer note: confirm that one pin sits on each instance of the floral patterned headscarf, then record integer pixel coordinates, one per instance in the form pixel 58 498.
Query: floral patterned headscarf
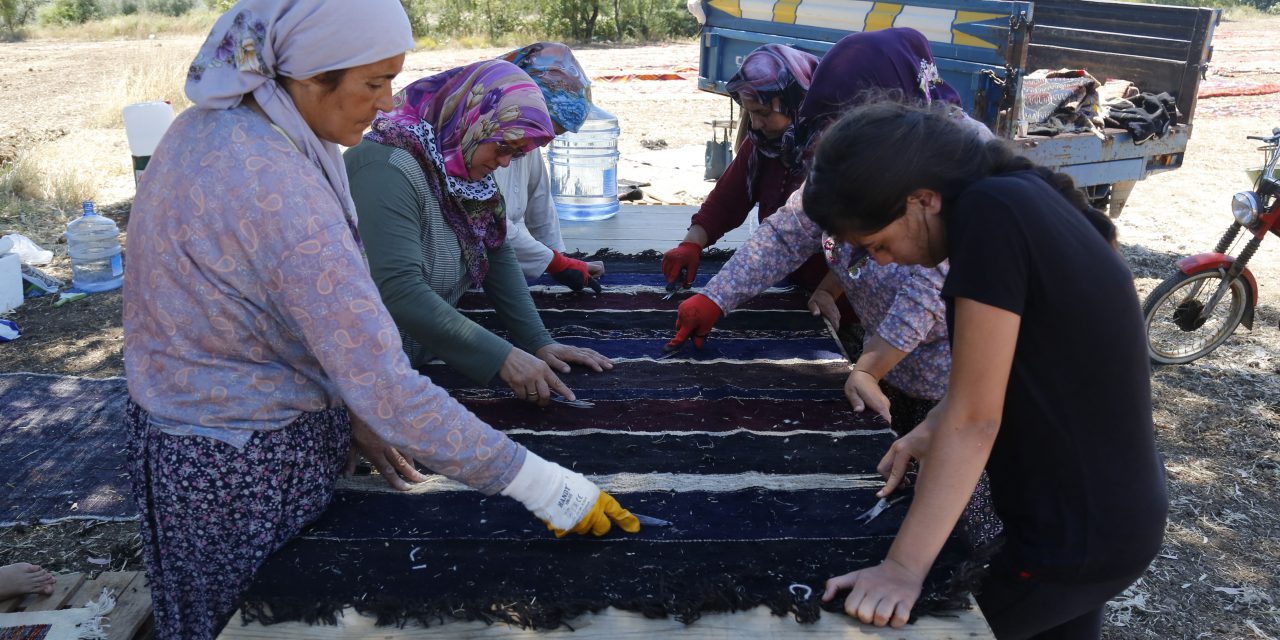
pixel 256 42
pixel 772 71
pixel 442 119
pixel 564 84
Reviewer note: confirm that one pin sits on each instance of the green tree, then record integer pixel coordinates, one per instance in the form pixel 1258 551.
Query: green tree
pixel 72 12
pixel 16 14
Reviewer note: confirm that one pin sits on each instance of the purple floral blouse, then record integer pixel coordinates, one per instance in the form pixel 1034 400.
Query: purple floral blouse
pixel 898 303
pixel 248 303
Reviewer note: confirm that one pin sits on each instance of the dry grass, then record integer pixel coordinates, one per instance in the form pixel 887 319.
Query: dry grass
pixel 139 26
pixel 160 76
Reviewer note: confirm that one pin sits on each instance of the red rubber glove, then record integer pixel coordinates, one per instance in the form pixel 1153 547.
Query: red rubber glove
pixel 696 317
pixel 571 273
pixel 684 257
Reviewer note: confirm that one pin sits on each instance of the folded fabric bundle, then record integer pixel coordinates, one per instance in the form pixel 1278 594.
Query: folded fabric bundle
pixel 1062 101
pixel 1146 115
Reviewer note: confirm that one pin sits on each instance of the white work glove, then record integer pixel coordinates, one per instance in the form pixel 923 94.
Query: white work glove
pixel 566 500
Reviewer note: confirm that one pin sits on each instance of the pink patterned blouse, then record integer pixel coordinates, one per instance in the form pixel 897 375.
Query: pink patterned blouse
pixel 247 302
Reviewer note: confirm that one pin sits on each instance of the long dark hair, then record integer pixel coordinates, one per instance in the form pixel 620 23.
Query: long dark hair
pixel 879 153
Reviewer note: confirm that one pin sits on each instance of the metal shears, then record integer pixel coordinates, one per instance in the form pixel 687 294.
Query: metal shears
pixel 578 404
pixel 880 507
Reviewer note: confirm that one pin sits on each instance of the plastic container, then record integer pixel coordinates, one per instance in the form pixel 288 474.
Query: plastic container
pixel 144 125
pixel 10 281
pixel 584 169
pixel 93 242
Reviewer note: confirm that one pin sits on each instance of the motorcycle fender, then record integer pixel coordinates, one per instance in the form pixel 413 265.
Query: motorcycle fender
pixel 1202 262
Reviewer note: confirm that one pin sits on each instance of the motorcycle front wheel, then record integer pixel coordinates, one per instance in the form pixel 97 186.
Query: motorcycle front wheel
pixel 1175 332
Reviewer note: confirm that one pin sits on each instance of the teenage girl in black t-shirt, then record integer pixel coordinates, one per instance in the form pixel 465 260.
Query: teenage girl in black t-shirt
pixel 1049 387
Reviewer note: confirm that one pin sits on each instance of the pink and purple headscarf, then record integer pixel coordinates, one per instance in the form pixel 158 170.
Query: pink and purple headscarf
pixel 258 41
pixel 859 66
pixel 771 71
pixel 442 119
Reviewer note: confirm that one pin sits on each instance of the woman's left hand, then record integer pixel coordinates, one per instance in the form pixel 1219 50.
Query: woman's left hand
pixel 862 390
pixel 559 356
pixel 393 466
pixel 596 269
pixel 880 595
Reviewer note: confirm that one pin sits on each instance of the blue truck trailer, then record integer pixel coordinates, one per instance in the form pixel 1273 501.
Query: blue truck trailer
pixel 985 48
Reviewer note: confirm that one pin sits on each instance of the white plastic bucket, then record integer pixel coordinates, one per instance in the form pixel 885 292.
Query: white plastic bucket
pixel 144 125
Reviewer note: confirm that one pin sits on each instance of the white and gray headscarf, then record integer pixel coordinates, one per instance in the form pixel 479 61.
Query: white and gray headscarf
pixel 257 41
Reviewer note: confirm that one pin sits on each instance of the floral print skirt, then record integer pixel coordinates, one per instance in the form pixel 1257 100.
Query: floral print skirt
pixel 212 513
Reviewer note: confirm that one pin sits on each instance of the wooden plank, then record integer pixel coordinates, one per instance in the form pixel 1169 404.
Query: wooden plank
pixel 613 624
pixel 117 581
pixel 63 589
pixel 638 228
pixel 133 609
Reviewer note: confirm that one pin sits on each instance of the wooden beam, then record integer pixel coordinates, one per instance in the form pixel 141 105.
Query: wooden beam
pixel 63 589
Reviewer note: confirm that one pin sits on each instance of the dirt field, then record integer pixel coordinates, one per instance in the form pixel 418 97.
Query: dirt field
pixel 1217 420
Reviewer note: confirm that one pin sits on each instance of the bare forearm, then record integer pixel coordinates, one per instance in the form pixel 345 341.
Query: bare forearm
pixel 697 235
pixel 948 476
pixel 878 358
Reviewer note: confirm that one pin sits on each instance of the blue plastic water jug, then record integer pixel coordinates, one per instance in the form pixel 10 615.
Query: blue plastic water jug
pixel 584 169
pixel 93 242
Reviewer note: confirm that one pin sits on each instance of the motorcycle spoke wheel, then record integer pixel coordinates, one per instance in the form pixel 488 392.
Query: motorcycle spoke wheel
pixel 1171 338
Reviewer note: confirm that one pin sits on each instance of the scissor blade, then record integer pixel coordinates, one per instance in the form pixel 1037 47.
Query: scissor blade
pixel 670 353
pixel 580 404
pixel 835 335
pixel 650 521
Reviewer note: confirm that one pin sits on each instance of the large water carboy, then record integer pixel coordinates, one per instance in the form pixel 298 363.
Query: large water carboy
pixel 584 169
pixel 93 243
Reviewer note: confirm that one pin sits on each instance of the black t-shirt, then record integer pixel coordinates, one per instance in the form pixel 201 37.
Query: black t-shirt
pixel 1074 471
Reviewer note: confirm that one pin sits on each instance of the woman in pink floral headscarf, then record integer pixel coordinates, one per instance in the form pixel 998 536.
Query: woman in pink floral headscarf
pixel 434 224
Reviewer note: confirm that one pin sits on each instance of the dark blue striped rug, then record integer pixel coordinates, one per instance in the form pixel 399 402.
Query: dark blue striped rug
pixel 747 446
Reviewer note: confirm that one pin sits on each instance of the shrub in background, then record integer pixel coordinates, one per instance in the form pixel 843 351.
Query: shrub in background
pixel 69 12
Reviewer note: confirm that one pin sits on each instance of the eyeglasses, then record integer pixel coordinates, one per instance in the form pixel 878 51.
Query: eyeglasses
pixel 505 149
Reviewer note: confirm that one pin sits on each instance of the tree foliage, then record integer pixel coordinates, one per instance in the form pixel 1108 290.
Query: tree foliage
pixel 570 20
pixel 71 12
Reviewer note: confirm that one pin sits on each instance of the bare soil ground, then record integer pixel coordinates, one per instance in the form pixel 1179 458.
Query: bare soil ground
pixel 1217 420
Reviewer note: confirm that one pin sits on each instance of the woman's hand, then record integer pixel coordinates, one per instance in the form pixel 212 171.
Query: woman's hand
pixel 393 466
pixel 863 392
pixel 596 269
pixel 566 500
pixel 559 356
pixel 913 446
pixel 823 303
pixel 880 595
pixel 531 379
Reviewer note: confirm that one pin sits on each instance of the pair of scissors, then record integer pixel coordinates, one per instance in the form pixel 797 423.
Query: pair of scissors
pixel 878 508
pixel 675 286
pixel 578 404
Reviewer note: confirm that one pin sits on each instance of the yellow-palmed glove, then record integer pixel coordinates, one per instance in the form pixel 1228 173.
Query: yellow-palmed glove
pixel 602 516
pixel 566 500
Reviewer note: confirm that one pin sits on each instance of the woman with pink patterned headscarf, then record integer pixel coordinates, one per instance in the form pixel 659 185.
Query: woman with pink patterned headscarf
pixel 434 224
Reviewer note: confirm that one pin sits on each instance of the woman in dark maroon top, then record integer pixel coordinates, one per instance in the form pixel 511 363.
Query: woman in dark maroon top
pixel 770 86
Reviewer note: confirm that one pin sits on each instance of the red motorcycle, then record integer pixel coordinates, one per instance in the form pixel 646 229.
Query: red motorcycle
pixel 1196 309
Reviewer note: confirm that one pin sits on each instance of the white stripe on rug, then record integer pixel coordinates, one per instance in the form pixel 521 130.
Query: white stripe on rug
pixel 649 482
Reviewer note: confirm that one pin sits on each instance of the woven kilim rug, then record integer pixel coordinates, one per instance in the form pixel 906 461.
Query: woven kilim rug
pixel 747 446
